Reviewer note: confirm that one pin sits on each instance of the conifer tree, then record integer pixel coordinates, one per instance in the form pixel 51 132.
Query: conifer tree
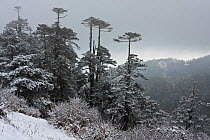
pixel 89 57
pixel 59 12
pixel 90 22
pixel 43 33
pixel 129 38
pixel 15 38
pixel 20 24
pixel 96 59
pixel 188 114
pixel 26 80
pixel 61 56
pixel 130 106
pixel 101 51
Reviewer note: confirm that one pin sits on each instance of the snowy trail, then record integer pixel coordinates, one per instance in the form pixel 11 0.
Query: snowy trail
pixel 23 127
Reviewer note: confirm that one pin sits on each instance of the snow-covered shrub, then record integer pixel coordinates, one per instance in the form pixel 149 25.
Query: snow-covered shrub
pixel 10 102
pixel 85 123
pixel 80 120
pixel 162 133
pixel 44 105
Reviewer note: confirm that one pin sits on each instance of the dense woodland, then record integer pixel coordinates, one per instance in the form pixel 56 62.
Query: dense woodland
pixel 160 99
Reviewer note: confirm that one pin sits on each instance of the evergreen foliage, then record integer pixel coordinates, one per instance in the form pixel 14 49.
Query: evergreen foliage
pixel 26 80
pixel 188 113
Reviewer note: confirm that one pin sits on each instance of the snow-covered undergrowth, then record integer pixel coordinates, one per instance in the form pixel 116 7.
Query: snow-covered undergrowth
pixel 11 102
pixel 160 133
pixel 80 120
pixel 85 123
pixel 17 126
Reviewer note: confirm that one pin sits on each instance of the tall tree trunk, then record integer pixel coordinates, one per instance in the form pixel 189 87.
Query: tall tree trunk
pixel 58 22
pixel 12 54
pixel 45 48
pixel 91 76
pixel 91 37
pixel 129 53
pixel 99 56
pixel 99 37
pixel 90 46
pixel 129 65
pixel 19 28
pixel 126 116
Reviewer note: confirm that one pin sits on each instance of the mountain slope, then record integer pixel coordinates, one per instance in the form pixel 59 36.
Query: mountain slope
pixel 170 79
pixel 22 127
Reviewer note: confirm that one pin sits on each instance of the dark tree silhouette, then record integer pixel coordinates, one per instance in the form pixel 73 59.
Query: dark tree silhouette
pixel 59 12
pixel 129 37
pixel 90 22
pixel 102 26
pixel 17 8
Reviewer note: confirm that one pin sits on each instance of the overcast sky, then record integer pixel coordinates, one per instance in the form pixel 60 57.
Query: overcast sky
pixel 169 28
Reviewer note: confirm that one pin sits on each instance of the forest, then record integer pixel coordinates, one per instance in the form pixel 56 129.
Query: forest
pixel 94 98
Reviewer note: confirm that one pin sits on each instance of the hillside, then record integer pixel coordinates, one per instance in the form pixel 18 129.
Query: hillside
pixel 23 127
pixel 170 79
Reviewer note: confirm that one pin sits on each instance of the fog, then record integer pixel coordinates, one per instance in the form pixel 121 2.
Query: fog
pixel 178 29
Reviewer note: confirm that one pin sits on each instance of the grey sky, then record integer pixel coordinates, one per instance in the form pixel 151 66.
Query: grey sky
pixel 169 28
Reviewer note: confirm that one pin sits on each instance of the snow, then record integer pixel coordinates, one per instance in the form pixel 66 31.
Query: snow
pixel 162 65
pixel 23 127
pixel 8 132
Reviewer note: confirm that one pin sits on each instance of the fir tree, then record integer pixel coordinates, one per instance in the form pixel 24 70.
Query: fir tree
pixel 96 59
pixel 26 80
pixel 130 106
pixel 188 114
pixel 90 22
pixel 60 56
pixel 102 52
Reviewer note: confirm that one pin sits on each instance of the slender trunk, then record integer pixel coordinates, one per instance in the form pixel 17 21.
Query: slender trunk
pixel 93 67
pixel 45 53
pixel 129 53
pixel 12 54
pixel 58 24
pixel 93 64
pixel 99 37
pixel 91 76
pixel 90 45
pixel 19 28
pixel 94 47
pixel 45 48
pixel 129 65
pixel 18 14
pixel 57 43
pixel 99 56
pixel 91 37
pixel 126 116
pixel 90 63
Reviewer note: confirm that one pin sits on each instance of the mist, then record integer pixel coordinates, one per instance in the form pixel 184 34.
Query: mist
pixel 178 29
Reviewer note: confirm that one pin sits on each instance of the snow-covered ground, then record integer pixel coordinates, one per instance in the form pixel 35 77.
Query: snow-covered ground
pixel 22 127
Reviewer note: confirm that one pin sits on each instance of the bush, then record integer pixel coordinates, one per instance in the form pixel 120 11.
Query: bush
pixel 162 133
pixel 85 123
pixel 78 119
pixel 10 102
